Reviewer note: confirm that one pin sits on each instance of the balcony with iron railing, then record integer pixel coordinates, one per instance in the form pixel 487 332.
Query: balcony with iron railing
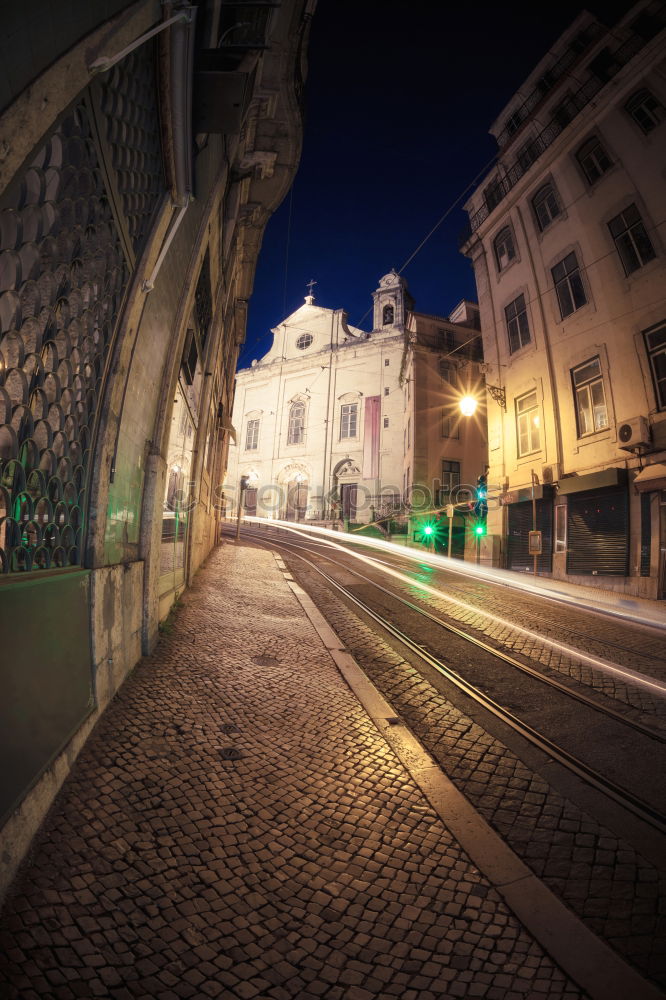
pixel 566 112
pixel 548 80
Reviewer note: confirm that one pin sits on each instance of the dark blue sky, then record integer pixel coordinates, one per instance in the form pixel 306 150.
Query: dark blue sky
pixel 399 99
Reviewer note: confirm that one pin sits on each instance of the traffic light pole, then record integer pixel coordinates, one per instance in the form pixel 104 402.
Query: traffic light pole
pixel 450 510
pixel 243 486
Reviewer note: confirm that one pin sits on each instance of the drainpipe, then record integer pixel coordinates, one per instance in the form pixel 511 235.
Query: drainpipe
pixel 549 356
pixel 482 257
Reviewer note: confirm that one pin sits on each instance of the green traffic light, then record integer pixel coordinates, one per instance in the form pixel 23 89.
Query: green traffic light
pixel 480 529
pixel 428 529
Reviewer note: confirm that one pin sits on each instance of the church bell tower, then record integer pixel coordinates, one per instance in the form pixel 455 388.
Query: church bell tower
pixel 391 303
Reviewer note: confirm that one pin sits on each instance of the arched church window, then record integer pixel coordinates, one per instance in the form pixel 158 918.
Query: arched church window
pixel 296 428
pixel 388 315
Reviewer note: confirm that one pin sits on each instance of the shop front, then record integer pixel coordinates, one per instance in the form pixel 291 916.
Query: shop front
pixel 529 509
pixel 597 523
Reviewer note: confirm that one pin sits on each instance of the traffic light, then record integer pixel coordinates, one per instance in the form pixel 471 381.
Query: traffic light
pixel 480 528
pixel 481 504
pixel 425 534
pixel 482 487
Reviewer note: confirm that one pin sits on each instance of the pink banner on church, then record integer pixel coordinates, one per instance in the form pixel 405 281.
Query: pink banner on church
pixel 371 438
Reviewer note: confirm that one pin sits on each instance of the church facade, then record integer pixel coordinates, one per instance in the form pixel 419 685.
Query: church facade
pixel 335 422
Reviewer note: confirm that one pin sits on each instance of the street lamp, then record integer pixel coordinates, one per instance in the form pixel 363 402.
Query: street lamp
pixel 468 404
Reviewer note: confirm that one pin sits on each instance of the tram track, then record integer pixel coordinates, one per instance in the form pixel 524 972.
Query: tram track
pixel 637 691
pixel 466 592
pixel 462 592
pixel 650 815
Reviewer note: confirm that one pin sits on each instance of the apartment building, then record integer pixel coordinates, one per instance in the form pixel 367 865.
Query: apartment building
pixel 567 238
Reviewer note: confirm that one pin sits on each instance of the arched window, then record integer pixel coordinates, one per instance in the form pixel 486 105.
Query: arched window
pixel 296 429
pixel 505 250
pixel 594 159
pixel 645 109
pixel 546 206
pixel 388 316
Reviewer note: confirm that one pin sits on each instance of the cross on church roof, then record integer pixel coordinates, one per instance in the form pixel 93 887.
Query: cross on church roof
pixel 309 298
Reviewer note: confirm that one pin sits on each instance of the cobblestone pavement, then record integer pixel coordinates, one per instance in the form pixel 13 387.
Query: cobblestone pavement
pixel 618 893
pixel 237 827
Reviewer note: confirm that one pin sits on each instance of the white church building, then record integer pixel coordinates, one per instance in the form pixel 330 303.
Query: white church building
pixel 336 422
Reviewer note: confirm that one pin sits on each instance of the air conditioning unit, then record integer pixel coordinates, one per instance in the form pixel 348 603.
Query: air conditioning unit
pixel 633 434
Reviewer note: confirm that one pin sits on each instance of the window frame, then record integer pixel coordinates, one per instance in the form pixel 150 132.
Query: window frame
pixel 448 372
pixel 528 154
pixel 588 150
pixel 296 426
pixel 532 429
pixel 388 314
pixel 450 425
pixel 539 199
pixel 303 341
pixel 252 434
pixel 493 193
pixel 658 382
pixel 347 412
pixel 516 319
pixel 451 473
pixel 637 102
pixel 631 244
pixel 583 388
pixel 505 237
pixel 558 285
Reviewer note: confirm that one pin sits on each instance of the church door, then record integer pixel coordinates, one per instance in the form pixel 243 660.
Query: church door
pixel 348 497
pixel 297 501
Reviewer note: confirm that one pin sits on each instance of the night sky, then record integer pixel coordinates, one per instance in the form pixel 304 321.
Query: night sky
pixel 399 99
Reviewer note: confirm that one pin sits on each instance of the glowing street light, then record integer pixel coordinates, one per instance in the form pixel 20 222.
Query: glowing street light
pixel 468 405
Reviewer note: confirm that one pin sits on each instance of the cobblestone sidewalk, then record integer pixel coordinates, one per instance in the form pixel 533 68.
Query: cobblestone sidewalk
pixel 237 827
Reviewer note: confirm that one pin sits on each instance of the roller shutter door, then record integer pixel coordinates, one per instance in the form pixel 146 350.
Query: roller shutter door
pixel 520 524
pixel 598 533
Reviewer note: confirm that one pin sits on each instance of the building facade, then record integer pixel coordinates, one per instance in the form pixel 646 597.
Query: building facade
pixel 336 423
pixel 144 147
pixel 568 241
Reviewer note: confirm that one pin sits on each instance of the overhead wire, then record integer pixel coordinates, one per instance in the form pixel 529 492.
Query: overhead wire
pixel 411 257
pixel 454 204
pixel 495 159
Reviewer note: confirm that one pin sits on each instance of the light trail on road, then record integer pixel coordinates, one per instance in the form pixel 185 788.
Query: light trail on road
pixel 624 673
pixel 545 588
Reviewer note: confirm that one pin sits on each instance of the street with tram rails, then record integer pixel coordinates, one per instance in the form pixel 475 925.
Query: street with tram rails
pixel 546 710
